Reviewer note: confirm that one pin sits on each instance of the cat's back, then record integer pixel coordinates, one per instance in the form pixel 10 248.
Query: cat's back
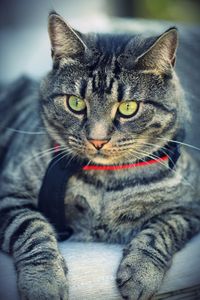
pixel 19 108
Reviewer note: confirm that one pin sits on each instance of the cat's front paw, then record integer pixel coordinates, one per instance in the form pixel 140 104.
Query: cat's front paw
pixel 138 278
pixel 46 281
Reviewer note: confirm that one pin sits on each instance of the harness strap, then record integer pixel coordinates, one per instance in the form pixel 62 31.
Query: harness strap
pixel 52 193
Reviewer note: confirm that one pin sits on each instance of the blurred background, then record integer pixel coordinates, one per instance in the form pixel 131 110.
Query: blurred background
pixel 33 13
pixel 24 43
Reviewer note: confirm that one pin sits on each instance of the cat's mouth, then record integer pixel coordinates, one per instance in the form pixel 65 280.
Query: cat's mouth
pixel 107 155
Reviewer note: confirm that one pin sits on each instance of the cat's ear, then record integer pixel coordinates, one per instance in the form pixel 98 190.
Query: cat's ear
pixel 65 41
pixel 160 56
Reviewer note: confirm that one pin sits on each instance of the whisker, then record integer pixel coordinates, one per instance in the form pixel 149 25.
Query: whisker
pixel 40 154
pixel 73 143
pixel 70 160
pixel 89 162
pixel 152 156
pixel 181 143
pixel 135 156
pixel 153 144
pixel 131 142
pixel 74 138
pixel 62 154
pixel 162 151
pixel 24 131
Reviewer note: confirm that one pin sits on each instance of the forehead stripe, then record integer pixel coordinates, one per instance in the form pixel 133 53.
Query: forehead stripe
pixel 120 91
pixel 110 85
pixel 83 86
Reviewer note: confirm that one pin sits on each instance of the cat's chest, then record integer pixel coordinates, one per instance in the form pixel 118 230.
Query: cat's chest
pixel 83 208
pixel 95 214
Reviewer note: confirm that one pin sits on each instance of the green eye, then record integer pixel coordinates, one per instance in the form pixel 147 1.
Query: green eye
pixel 128 108
pixel 76 104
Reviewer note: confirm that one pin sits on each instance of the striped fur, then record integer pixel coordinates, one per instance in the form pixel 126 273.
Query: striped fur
pixel 153 210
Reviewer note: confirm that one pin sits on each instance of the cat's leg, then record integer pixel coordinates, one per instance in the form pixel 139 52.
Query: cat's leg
pixel 149 255
pixel 30 239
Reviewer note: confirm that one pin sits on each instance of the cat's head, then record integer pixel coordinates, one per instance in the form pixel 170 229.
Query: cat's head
pixel 111 98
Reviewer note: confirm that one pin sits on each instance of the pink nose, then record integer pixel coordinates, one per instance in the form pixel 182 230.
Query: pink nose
pixel 98 144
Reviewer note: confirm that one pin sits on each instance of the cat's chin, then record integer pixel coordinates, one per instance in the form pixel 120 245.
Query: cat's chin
pixel 105 160
pixel 102 161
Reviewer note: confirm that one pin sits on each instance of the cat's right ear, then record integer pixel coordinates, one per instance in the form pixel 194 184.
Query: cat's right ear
pixel 161 55
pixel 65 41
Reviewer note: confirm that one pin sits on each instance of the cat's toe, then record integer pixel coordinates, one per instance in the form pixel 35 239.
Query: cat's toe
pixel 44 282
pixel 137 280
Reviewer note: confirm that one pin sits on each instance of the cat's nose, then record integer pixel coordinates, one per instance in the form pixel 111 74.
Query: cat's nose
pixel 98 144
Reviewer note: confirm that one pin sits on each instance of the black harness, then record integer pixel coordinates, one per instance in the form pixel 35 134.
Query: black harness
pixel 53 189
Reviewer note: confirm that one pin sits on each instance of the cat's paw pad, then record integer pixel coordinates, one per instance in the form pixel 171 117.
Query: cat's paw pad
pixel 43 281
pixel 138 280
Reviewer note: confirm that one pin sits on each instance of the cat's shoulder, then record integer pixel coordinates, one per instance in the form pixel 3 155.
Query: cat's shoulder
pixel 19 89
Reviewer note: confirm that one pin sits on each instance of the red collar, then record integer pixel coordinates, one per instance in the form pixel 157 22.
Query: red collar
pixel 119 167
pixel 125 166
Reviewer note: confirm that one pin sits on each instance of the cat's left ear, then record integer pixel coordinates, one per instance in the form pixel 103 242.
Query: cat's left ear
pixel 65 41
pixel 161 56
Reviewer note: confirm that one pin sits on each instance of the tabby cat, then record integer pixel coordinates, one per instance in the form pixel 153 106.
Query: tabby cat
pixel 114 101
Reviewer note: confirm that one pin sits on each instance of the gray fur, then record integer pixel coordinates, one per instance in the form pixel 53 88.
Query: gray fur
pixel 153 210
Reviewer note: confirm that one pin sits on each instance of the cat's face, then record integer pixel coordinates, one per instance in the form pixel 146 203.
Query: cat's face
pixel 110 99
